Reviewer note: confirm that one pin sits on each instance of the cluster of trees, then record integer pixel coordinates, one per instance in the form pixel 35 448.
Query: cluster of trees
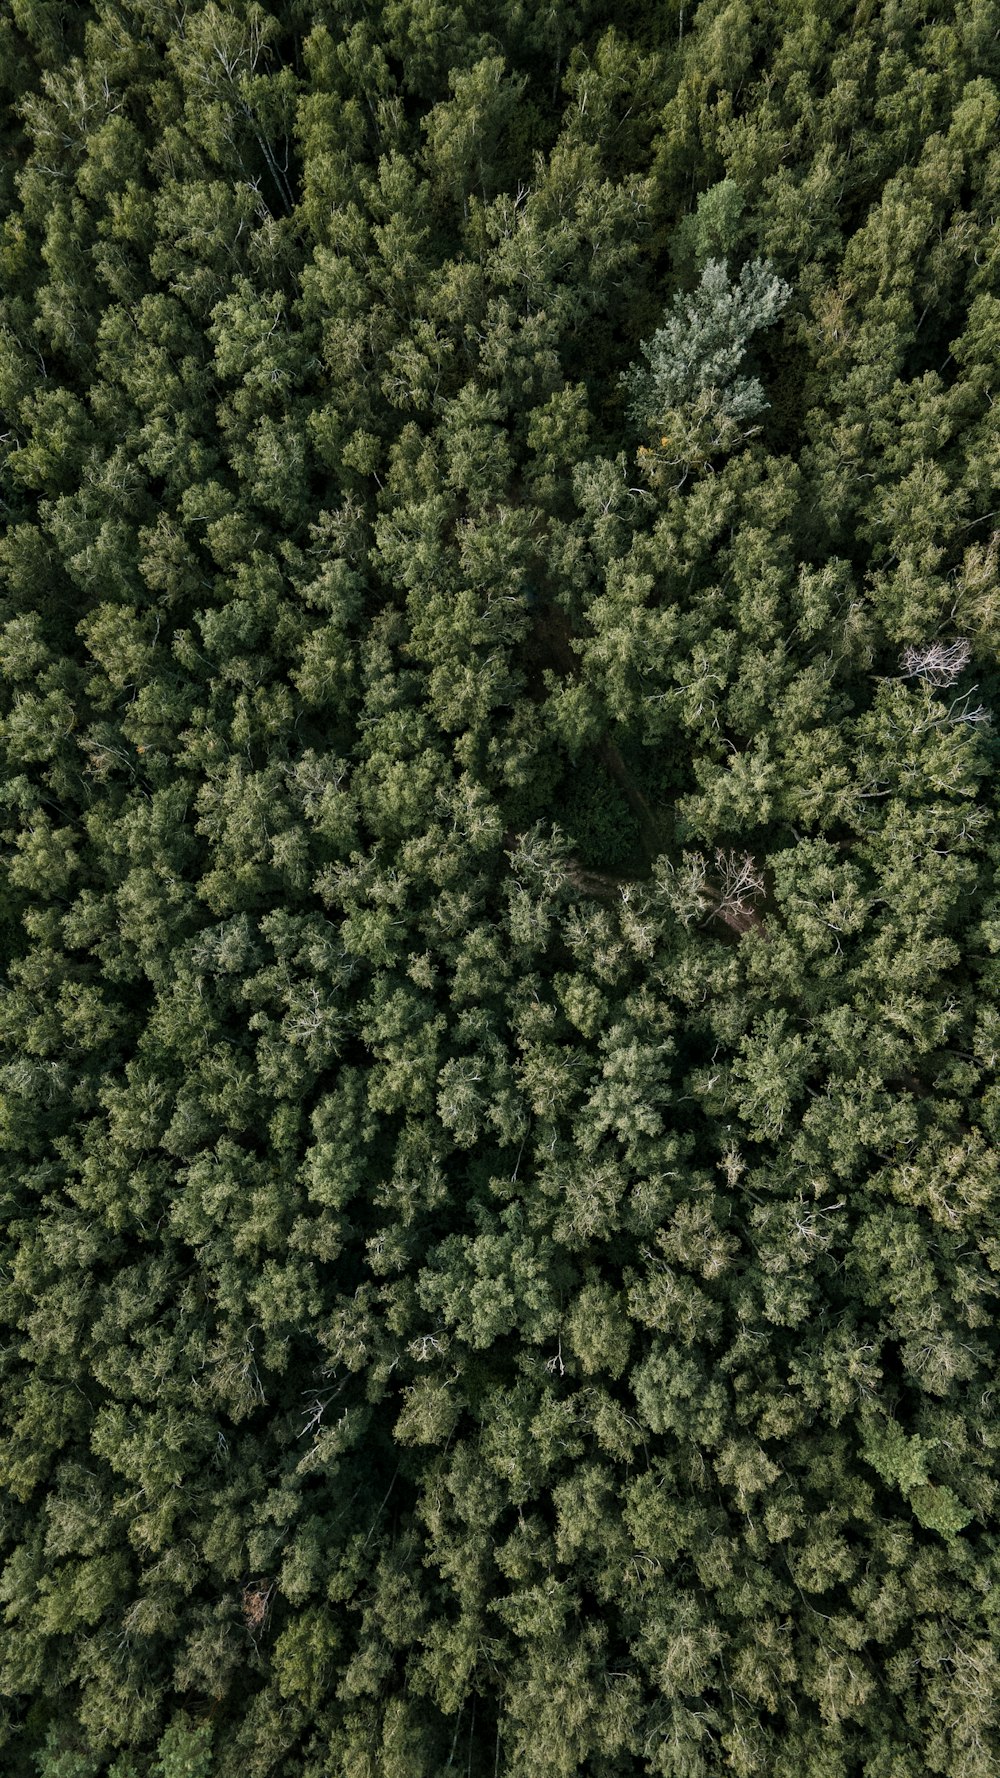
pixel 499 622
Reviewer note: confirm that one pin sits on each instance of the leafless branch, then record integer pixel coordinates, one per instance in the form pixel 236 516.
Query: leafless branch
pixel 937 663
pixel 738 888
pixel 256 1602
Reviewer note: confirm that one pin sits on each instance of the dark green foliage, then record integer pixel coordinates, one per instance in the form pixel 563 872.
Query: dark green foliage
pixel 604 829
pixel 500 914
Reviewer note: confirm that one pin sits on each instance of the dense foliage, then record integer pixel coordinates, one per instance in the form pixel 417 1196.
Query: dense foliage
pixel 501 916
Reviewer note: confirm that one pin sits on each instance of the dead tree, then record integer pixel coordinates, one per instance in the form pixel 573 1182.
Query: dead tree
pixel 936 663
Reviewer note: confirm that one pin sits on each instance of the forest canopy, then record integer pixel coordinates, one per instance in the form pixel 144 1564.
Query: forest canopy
pixel 500 908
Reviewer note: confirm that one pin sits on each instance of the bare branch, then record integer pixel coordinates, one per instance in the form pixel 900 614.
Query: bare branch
pixel 256 1604
pixel 937 663
pixel 739 887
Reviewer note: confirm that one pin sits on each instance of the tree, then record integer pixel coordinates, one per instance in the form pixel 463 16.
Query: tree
pixel 690 391
pixel 498 1093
